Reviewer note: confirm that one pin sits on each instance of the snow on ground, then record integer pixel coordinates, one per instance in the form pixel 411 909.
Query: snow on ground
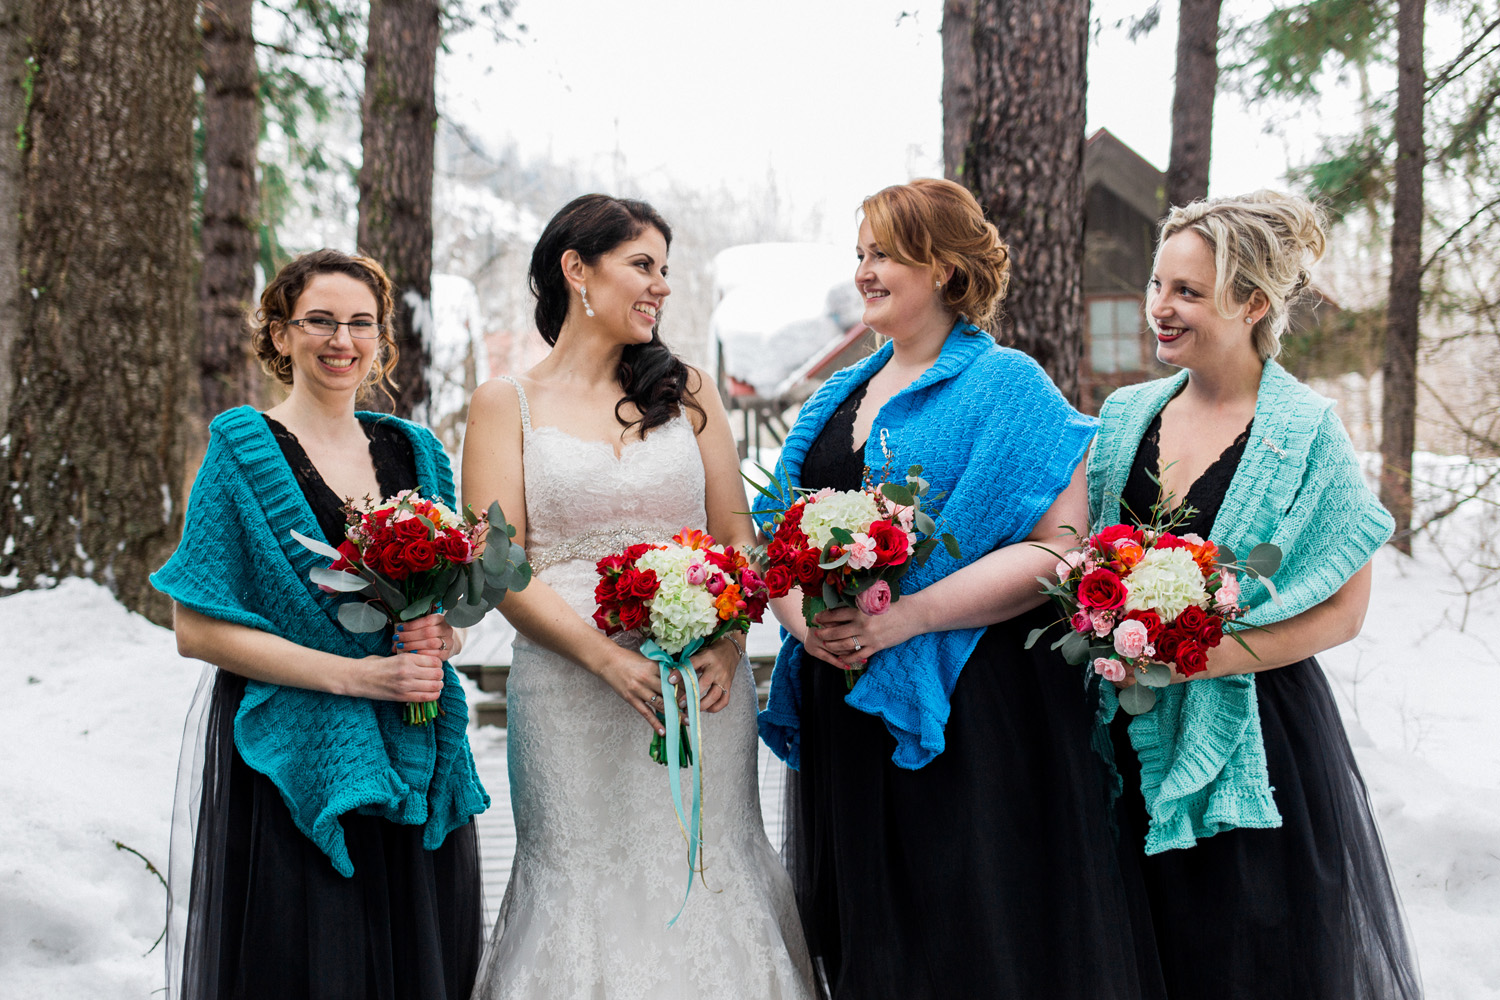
pixel 95 699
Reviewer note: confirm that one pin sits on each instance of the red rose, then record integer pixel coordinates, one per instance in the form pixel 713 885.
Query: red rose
pixel 453 546
pixel 1167 644
pixel 420 555
pixel 411 530
pixel 1150 619
pixel 1210 632
pixel 348 556
pixel 608 621
pixel 805 567
pixel 644 585
pixel 610 565
pixel 793 516
pixel 779 552
pixel 634 616
pixel 604 592
pixel 1167 540
pixel 637 550
pixel 755 605
pixel 1114 533
pixel 1101 589
pixel 779 581
pixel 890 543
pixel 1191 658
pixel 1191 619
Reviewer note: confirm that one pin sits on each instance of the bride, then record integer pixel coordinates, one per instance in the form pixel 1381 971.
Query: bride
pixel 612 440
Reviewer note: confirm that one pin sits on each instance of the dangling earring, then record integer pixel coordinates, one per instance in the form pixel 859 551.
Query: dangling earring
pixel 583 293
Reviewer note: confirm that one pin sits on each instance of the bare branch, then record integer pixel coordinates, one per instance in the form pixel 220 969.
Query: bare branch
pixel 1437 81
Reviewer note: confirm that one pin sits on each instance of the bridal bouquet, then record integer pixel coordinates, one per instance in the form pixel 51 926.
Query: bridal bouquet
pixel 1140 599
pixel 681 596
pixel 851 547
pixel 408 555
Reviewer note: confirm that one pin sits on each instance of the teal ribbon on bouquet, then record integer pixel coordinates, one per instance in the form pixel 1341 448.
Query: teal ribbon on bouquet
pixel 691 821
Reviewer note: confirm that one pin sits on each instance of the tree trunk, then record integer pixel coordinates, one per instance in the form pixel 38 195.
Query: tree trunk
pixel 958 84
pixel 1193 100
pixel 13 52
pixel 228 374
pixel 1025 165
pixel 1398 407
pixel 395 182
pixel 100 361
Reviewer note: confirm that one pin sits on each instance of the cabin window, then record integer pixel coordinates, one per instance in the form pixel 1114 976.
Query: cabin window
pixel 1115 326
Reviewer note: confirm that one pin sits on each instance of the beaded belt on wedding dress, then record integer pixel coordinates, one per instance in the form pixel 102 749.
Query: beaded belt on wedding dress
pixel 593 545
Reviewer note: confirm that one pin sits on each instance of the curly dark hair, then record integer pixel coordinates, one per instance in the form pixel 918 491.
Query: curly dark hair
pixel 279 300
pixel 653 379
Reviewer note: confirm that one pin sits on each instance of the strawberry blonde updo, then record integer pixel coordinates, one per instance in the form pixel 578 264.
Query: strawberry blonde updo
pixel 938 224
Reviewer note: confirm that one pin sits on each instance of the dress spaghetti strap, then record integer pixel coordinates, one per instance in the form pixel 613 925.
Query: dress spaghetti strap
pixel 520 394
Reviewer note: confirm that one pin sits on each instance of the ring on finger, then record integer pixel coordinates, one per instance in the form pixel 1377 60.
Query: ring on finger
pixel 443 645
pixel 857 645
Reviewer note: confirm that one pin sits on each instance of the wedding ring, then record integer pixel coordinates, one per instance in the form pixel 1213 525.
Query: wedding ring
pixel 655 698
pixel 857 646
pixel 443 645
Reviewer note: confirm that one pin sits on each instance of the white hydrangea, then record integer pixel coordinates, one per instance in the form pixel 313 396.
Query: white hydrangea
pixel 680 612
pixel 1166 581
pixel 852 510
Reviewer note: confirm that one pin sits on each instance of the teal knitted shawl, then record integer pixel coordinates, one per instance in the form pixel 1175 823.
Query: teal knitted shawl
pixel 999 443
pixel 1298 486
pixel 327 754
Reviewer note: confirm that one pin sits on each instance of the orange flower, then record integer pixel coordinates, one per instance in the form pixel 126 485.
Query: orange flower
pixel 1205 555
pixel 729 602
pixel 693 538
pixel 1127 554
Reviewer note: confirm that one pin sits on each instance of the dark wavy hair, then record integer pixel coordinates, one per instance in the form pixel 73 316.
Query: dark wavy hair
pixel 653 378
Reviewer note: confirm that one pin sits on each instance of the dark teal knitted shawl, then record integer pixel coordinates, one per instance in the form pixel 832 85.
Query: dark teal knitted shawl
pixel 993 435
pixel 327 754
pixel 1299 486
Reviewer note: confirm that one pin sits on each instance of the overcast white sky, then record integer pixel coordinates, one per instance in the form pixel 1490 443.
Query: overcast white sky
pixel 835 98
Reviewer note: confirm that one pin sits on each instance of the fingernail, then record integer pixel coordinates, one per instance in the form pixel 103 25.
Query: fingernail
pixel 398 628
pixel 400 645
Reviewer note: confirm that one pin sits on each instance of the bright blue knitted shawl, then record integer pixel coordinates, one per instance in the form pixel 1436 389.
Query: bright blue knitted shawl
pixel 1299 486
pixel 990 431
pixel 327 754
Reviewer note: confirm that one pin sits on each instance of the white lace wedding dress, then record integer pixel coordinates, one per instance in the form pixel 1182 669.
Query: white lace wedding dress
pixel 601 864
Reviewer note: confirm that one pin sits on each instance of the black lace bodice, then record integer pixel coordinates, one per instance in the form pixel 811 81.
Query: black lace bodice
pixel 832 460
pixel 390 451
pixel 1204 496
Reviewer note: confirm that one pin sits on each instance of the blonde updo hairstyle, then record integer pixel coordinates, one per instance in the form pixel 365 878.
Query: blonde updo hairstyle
pixel 938 224
pixel 1266 242
pixel 279 301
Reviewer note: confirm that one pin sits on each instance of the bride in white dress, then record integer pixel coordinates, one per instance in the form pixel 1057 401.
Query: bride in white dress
pixel 609 441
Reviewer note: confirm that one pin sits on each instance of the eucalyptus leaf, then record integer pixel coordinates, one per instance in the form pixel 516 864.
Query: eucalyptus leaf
pixel 1031 639
pixel 841 535
pixel 926 525
pixel 1264 560
pixel 418 608
pixel 1074 647
pixel 1226 556
pixel 523 576
pixel 897 493
pixel 496 549
pixel 915 470
pixel 470 518
pixel 831 598
pixel 1271 587
pixel 464 614
pixel 835 563
pixel 1154 675
pixel 321 548
pixel 357 616
pixel 427 523
pixel 344 583
pixel 475 578
pixel 951 544
pixel 455 590
pixel 1137 699
pixel 918 485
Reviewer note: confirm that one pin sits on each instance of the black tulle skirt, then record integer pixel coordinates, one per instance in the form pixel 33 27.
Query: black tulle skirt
pixel 990 872
pixel 268 916
pixel 1305 911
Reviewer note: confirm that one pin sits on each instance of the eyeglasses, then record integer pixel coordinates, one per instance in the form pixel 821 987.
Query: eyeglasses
pixel 322 326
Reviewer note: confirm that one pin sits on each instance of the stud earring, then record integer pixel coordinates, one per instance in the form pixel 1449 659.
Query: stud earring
pixel 937 284
pixel 1248 320
pixel 583 293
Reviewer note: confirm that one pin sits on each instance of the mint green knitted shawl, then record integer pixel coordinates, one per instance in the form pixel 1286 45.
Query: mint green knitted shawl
pixel 1298 486
pixel 327 754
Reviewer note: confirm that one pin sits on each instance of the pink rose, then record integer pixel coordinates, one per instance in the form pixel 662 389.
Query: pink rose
pixel 1193 538
pixel 874 599
pixel 1131 639
pixel 1083 623
pixel 1070 561
pixel 822 494
pixel 716 584
pixel 1110 670
pixel 862 552
pixel 1103 622
pixel 697 574
pixel 1227 597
